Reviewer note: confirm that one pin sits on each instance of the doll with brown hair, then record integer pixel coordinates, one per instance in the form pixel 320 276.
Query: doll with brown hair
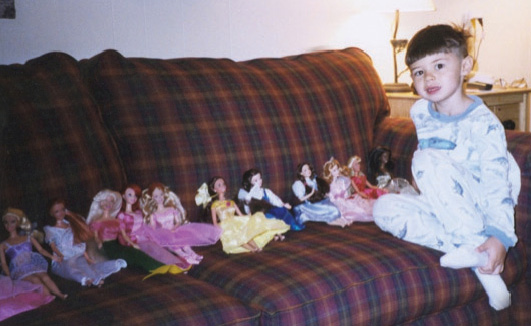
pixel 380 171
pixel 353 208
pixel 163 211
pixel 359 181
pixel 258 199
pixel 312 193
pixel 67 236
pixel 135 230
pixel 241 233
pixel 24 263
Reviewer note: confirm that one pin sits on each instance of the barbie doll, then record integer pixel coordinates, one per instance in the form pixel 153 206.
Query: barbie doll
pixel 67 239
pixel 19 296
pixel 241 233
pixel 380 167
pixel 25 264
pixel 359 181
pixel 256 198
pixel 131 217
pixel 353 208
pixel 312 193
pixel 166 216
pixel 106 228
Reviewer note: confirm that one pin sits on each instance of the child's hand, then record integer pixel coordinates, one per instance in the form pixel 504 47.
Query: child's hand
pixel 496 251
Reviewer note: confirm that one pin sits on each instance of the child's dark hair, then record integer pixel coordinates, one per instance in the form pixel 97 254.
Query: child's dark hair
pixel 437 39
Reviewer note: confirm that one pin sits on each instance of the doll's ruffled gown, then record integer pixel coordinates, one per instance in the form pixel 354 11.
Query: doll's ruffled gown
pixel 23 261
pixel 353 208
pixel 19 296
pixel 134 228
pixel 167 233
pixel 361 182
pixel 239 230
pixel 319 211
pixel 74 265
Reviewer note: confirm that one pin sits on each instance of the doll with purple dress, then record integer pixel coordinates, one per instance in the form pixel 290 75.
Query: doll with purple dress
pixel 353 207
pixel 24 263
pixel 131 217
pixel 18 296
pixel 164 213
pixel 67 236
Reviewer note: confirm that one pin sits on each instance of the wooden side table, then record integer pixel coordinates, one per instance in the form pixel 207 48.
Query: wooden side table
pixel 507 104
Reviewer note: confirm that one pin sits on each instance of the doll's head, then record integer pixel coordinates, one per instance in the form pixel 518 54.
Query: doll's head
pixel 305 170
pixel 380 162
pixel 216 186
pixel 354 163
pixel 58 212
pixel 332 169
pixel 250 178
pixel 14 219
pixel 105 201
pixel 156 196
pixel 130 195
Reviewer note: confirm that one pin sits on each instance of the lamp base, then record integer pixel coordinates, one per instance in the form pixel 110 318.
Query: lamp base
pixel 397 88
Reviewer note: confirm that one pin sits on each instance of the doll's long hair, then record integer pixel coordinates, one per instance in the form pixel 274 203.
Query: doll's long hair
pixel 374 166
pixel 327 175
pixel 138 192
pixel 79 227
pixel 322 186
pixel 149 206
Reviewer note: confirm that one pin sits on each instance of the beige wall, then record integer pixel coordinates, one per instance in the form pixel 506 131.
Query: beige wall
pixel 246 29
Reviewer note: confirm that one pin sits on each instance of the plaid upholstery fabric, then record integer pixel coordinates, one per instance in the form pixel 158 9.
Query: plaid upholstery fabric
pixel 183 121
pixel 354 276
pixel 127 300
pixel 54 142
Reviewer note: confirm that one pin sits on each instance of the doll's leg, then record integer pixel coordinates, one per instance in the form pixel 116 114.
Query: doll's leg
pixel 499 296
pixel 50 284
pixel 36 280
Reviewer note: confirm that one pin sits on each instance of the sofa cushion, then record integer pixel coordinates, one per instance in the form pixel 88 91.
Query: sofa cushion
pixel 160 300
pixel 354 276
pixel 54 138
pixel 182 121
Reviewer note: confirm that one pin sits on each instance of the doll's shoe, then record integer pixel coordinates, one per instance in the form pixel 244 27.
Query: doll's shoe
pixel 464 256
pixel 499 296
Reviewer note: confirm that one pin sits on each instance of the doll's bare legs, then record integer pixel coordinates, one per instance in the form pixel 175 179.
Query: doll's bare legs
pixel 49 286
pixel 252 246
pixel 188 254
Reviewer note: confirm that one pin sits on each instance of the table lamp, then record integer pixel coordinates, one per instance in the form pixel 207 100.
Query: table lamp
pixel 400 44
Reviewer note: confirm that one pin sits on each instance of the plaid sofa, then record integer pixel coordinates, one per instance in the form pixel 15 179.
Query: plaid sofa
pixel 70 128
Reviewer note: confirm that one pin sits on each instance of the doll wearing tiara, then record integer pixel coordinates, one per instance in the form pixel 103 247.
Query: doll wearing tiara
pixel 169 228
pixel 135 230
pixel 255 198
pixel 241 233
pixel 353 208
pixel 24 263
pixel 312 193
pixel 67 237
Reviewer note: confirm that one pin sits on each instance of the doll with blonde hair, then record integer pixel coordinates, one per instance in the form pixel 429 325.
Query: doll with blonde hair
pixel 241 233
pixel 24 263
pixel 353 208
pixel 165 215
pixel 359 181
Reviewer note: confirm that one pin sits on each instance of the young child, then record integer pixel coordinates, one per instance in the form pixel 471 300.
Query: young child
pixel 468 181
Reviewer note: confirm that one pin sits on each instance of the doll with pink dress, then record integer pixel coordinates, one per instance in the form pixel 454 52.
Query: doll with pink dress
pixel 359 181
pixel 18 296
pixel 241 233
pixel 164 213
pixel 353 208
pixel 135 230
pixel 24 263
pixel 67 236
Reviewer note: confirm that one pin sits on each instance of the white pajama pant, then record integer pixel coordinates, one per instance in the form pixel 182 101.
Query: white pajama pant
pixel 445 215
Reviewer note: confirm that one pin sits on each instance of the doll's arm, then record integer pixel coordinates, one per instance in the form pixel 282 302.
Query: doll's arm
pixel 99 242
pixel 214 216
pixel 88 258
pixel 362 194
pixel 128 240
pixel 238 211
pixel 43 252
pixel 56 250
pixel 3 259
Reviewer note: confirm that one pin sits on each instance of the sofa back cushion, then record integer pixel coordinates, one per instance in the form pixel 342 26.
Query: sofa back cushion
pixel 183 121
pixel 53 138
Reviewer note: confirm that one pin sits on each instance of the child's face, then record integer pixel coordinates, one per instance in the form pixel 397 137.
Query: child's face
pixel 219 186
pixel 256 180
pixel 439 76
pixel 10 223
pixel 129 196
pixel 58 211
